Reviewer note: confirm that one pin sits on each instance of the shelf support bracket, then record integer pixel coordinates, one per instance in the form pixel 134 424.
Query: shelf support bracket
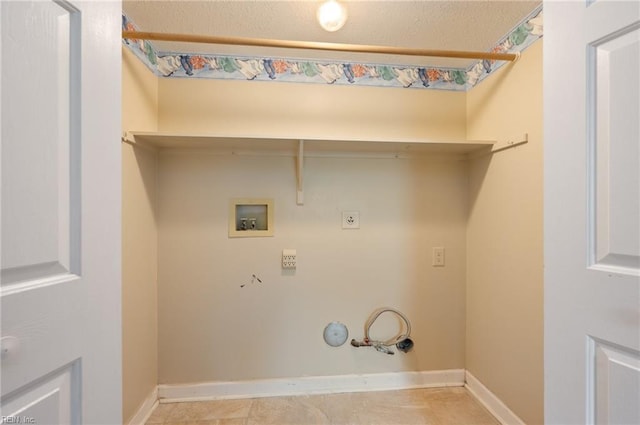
pixel 127 137
pixel 509 143
pixel 300 174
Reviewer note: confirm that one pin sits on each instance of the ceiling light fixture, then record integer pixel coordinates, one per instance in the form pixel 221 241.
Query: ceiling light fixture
pixel 332 15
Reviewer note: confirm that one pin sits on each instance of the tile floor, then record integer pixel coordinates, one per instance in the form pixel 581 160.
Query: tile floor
pixel 432 406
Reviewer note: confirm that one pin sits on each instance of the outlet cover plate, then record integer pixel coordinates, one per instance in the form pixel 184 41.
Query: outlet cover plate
pixel 438 256
pixel 350 219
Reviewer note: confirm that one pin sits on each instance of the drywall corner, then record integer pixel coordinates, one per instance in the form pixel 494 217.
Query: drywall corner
pixel 139 239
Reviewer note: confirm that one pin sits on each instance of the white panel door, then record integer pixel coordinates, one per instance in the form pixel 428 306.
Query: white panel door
pixel 60 204
pixel 592 212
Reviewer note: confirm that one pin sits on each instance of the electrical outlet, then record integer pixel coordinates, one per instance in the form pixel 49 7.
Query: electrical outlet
pixel 438 257
pixel 350 219
pixel 288 258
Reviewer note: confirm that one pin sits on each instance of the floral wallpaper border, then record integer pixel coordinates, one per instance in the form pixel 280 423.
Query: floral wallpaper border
pixel 183 65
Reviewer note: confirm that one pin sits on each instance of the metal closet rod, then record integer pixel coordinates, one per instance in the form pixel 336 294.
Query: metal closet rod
pixel 313 45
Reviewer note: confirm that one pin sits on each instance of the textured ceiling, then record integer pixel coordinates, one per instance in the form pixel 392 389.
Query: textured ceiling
pixel 442 25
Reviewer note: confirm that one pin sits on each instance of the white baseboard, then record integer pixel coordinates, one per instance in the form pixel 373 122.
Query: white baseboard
pixel 310 385
pixel 491 402
pixel 326 385
pixel 145 409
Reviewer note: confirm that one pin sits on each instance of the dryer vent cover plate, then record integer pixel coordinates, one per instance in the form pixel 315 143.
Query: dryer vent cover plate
pixel 335 334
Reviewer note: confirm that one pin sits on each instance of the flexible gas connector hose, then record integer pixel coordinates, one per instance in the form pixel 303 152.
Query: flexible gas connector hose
pixel 401 340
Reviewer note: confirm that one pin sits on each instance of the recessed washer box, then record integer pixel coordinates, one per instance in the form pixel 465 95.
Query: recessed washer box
pixel 250 218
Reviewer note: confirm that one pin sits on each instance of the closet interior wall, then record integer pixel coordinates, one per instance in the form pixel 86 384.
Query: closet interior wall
pixel 209 328
pixel 504 332
pixel 212 329
pixel 139 239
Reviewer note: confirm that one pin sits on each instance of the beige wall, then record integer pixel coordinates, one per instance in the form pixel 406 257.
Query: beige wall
pixel 309 110
pixel 139 239
pixel 504 239
pixel 212 329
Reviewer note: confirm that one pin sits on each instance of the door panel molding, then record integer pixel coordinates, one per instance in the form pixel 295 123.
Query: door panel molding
pixel 613 381
pixel 56 395
pixel 613 152
pixel 41 202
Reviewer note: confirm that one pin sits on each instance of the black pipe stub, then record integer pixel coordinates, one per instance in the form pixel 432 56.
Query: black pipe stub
pixel 405 345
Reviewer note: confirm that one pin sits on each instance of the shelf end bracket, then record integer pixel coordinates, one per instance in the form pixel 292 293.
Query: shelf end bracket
pixel 509 143
pixel 128 137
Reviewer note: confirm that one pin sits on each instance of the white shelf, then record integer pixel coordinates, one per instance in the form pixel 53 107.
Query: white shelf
pixel 301 147
pixel 312 146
